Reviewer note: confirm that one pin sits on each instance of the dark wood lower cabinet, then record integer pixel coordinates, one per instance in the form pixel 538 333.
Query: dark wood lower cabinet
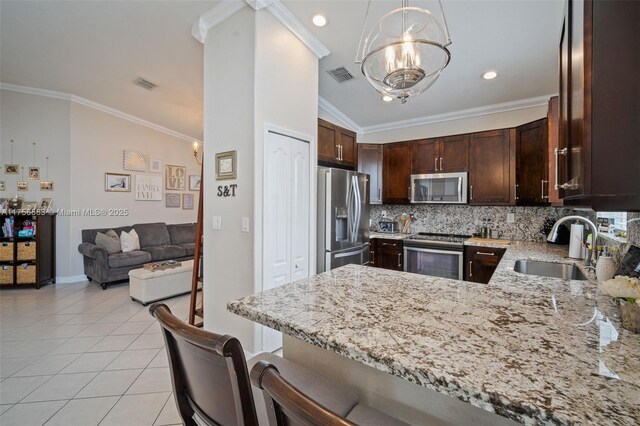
pixel 387 254
pixel 480 263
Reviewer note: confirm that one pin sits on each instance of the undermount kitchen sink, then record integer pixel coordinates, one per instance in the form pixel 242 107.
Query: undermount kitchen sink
pixel 549 269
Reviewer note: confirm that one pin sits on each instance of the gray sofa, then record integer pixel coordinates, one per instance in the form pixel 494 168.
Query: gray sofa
pixel 158 241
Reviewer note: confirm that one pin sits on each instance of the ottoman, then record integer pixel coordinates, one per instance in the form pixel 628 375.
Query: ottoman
pixel 150 286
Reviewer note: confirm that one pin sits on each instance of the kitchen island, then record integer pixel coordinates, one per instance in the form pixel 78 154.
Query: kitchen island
pixel 532 349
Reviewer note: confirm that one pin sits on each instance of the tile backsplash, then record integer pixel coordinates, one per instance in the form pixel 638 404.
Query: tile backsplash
pixel 464 219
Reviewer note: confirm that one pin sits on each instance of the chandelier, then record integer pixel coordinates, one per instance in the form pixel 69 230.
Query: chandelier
pixel 405 51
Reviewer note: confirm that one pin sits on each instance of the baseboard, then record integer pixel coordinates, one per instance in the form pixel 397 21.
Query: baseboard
pixel 71 279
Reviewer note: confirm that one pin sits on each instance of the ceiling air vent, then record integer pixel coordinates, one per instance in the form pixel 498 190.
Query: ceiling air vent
pixel 145 84
pixel 341 74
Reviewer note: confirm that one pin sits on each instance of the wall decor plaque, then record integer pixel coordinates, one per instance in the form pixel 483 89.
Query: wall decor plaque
pixel 148 188
pixel 134 161
pixel 176 178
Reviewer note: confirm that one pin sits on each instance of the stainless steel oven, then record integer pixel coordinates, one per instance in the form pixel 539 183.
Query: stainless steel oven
pixel 438 255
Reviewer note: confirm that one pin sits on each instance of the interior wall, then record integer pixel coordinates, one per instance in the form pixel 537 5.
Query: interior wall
pixel 97 144
pixel 455 127
pixel 229 125
pixel 27 119
pixel 235 118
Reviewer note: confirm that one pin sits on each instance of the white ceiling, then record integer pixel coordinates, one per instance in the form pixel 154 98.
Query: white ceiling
pixel 94 49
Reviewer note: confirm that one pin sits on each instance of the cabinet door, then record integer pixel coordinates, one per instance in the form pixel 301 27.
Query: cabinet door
pixel 370 162
pixel 373 250
pixel 397 173
pixel 553 135
pixel 426 156
pixel 454 154
pixel 481 263
pixel 389 254
pixel 327 141
pixel 578 154
pixel 348 151
pixel 531 164
pixel 489 168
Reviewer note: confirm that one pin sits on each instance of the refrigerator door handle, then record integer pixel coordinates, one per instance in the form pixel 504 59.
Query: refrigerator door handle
pixel 353 207
pixel 358 206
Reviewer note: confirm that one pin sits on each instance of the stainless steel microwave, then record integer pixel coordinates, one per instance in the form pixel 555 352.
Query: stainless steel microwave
pixel 440 188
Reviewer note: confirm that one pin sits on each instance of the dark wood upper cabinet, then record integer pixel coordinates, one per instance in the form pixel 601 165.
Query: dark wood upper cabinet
pixel 441 155
pixel 336 146
pixel 490 167
pixel 370 162
pixel 532 182
pixel 347 143
pixel 553 135
pixel 396 171
pixel 426 156
pixel 599 105
pixel 454 154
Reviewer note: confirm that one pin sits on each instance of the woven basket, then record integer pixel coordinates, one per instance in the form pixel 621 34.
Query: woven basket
pixel 26 274
pixel 6 251
pixel 6 274
pixel 27 250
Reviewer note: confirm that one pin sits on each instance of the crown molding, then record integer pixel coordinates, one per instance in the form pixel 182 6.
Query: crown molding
pixel 214 16
pixel 227 8
pixel 325 105
pixel 288 19
pixel 458 115
pixel 91 104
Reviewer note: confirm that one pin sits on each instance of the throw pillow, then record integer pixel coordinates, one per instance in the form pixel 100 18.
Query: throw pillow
pixel 129 241
pixel 108 241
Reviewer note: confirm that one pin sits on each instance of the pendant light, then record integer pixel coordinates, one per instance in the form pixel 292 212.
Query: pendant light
pixel 405 51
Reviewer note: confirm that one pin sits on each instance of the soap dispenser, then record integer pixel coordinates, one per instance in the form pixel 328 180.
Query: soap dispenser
pixel 605 268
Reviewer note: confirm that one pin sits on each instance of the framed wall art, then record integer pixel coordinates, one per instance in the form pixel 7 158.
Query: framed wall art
pixel 134 161
pixel 23 185
pixel 194 183
pixel 45 204
pixel 12 169
pixel 226 165
pixel 187 201
pixel 46 185
pixel 155 166
pixel 172 200
pixel 176 178
pixel 148 188
pixel 117 182
pixel 34 173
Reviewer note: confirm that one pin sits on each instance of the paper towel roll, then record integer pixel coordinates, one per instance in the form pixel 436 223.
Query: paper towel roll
pixel 576 249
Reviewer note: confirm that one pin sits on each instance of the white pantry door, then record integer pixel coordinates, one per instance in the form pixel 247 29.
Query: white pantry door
pixel 286 218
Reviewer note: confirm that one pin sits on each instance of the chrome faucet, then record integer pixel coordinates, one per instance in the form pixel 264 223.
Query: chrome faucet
pixel 553 236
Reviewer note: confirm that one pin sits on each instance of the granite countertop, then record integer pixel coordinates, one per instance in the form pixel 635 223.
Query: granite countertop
pixel 388 235
pixel 500 346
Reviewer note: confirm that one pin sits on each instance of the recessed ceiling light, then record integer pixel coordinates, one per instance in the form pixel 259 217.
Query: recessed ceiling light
pixel 387 98
pixel 319 20
pixel 489 75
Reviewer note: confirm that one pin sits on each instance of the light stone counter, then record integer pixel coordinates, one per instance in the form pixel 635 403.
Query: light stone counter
pixel 499 346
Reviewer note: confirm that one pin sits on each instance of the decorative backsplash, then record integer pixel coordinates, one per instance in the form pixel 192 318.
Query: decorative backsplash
pixel 463 219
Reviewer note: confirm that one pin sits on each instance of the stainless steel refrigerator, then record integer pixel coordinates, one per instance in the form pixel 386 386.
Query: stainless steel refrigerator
pixel 343 218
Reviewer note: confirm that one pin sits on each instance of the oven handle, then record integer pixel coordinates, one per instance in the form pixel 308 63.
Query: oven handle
pixel 428 250
pixel 455 246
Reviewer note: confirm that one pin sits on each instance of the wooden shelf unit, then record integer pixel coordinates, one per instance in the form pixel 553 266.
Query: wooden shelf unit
pixel 28 260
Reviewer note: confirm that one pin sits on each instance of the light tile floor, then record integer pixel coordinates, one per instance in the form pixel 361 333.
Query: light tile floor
pixel 73 354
